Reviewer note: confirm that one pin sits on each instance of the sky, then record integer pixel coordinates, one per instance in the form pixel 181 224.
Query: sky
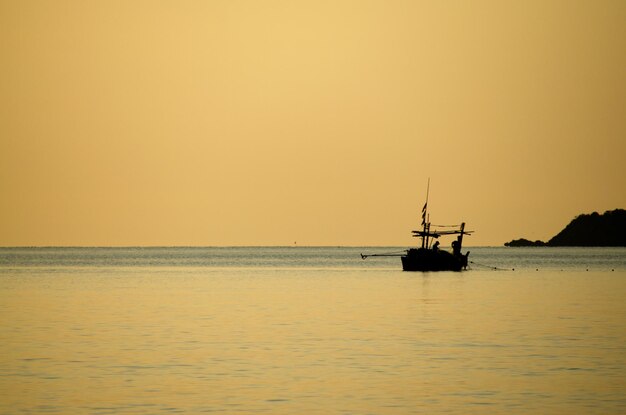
pixel 197 123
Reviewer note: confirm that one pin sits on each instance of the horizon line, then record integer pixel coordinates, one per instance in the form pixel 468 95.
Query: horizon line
pixel 225 246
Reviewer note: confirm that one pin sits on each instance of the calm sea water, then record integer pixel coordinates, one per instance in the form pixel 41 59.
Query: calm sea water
pixel 310 331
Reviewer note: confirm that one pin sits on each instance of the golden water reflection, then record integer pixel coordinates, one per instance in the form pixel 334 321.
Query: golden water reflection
pixel 286 341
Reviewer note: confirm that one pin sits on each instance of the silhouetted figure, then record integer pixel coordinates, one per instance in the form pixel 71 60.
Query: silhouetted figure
pixel 456 250
pixel 436 246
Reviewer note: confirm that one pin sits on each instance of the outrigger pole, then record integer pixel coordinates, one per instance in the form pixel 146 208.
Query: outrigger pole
pixel 398 254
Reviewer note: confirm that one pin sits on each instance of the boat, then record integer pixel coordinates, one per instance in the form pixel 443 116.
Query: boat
pixel 429 257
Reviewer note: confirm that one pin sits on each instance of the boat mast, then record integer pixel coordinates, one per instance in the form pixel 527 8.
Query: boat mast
pixel 425 225
pixel 460 238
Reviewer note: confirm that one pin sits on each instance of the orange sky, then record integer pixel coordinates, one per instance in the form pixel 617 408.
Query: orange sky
pixel 269 122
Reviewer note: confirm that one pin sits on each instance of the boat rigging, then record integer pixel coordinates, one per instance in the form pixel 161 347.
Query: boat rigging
pixel 430 257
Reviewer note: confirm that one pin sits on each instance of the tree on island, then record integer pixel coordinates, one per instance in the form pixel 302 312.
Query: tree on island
pixel 608 229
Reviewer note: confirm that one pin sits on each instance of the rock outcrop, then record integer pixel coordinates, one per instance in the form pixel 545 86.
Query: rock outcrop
pixel 608 229
pixel 524 242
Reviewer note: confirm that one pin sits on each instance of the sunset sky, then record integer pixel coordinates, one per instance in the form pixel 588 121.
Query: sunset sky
pixel 316 122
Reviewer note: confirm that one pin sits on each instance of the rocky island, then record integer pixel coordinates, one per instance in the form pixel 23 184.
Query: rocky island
pixel 608 229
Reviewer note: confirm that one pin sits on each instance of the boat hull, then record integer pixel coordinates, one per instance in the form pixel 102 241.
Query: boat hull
pixel 423 259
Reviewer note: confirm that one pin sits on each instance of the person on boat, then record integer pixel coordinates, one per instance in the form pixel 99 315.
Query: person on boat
pixel 455 248
pixel 436 246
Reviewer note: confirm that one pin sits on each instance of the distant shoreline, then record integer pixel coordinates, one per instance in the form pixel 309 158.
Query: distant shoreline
pixel 585 230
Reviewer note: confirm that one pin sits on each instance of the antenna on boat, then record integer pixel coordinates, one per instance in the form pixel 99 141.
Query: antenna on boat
pixel 424 212
pixel 427 190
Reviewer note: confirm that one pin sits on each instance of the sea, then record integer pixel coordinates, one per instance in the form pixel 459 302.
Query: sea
pixel 310 330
